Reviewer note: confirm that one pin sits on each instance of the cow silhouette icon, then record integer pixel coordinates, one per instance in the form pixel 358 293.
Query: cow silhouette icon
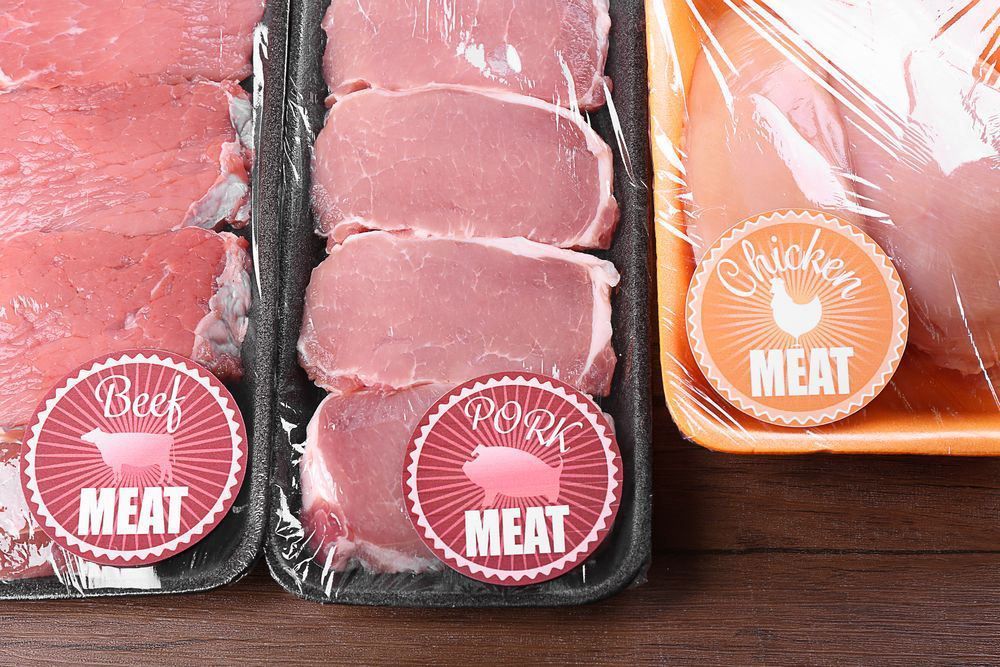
pixel 138 451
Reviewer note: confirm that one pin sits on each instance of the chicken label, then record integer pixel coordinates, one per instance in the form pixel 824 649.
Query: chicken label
pixel 156 451
pixel 797 318
pixel 513 478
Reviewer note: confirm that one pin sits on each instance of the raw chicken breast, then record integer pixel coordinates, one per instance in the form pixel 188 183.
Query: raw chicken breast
pixel 67 297
pixel 352 498
pixel 554 50
pixel 25 550
pixel 392 311
pixel 926 149
pixel 381 162
pixel 895 128
pixel 49 43
pixel 764 135
pixel 133 159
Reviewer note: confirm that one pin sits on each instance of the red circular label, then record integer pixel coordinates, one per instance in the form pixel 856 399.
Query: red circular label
pixel 134 457
pixel 513 479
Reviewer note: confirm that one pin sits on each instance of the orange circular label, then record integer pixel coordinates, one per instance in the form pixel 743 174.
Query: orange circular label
pixel 797 318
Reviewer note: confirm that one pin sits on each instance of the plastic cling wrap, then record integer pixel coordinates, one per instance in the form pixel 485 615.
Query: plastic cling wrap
pixel 881 114
pixel 139 191
pixel 451 213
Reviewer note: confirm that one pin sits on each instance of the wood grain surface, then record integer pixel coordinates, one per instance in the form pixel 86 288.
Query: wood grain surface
pixel 816 560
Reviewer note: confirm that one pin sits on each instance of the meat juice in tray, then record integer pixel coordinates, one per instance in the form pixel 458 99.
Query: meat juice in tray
pixel 872 120
pixel 464 199
pixel 134 198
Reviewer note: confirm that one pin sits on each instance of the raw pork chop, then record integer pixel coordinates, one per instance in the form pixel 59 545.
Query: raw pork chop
pixel 393 311
pixel 352 498
pixel 124 158
pixel 764 136
pixel 554 50
pixel 67 297
pixel 25 550
pixel 556 190
pixel 53 42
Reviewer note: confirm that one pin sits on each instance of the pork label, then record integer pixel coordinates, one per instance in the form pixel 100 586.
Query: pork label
pixel 134 457
pixel 513 478
pixel 797 318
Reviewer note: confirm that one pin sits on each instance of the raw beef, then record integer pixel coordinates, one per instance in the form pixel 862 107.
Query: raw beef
pixel 86 42
pixel 554 50
pixel 67 297
pixel 392 311
pixel 134 159
pixel 763 136
pixel 25 550
pixel 352 499
pixel 553 185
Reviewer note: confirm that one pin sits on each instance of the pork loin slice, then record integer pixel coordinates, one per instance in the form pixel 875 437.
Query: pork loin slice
pixel 46 44
pixel 393 311
pixel 67 297
pixel 352 498
pixel 554 50
pixel 540 171
pixel 134 159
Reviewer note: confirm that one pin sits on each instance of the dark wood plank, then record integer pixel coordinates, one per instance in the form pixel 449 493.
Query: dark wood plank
pixel 711 501
pixel 714 609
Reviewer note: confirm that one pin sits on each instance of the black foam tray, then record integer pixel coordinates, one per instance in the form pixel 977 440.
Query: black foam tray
pixel 622 559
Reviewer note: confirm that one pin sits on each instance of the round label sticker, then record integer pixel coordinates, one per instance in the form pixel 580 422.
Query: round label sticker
pixel 513 479
pixel 134 457
pixel 797 318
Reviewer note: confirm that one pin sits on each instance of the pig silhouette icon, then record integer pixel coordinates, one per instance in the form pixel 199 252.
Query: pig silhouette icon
pixel 139 451
pixel 511 472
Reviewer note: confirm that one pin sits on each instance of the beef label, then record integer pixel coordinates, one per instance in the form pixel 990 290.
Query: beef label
pixel 133 457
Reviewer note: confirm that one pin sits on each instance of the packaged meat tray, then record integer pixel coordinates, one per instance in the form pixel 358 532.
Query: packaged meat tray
pixel 827 181
pixel 140 182
pixel 464 274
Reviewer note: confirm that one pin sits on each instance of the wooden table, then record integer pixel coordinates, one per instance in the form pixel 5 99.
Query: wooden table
pixel 758 560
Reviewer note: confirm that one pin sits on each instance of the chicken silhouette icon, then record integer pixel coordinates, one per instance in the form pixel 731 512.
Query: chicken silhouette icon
pixel 795 319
